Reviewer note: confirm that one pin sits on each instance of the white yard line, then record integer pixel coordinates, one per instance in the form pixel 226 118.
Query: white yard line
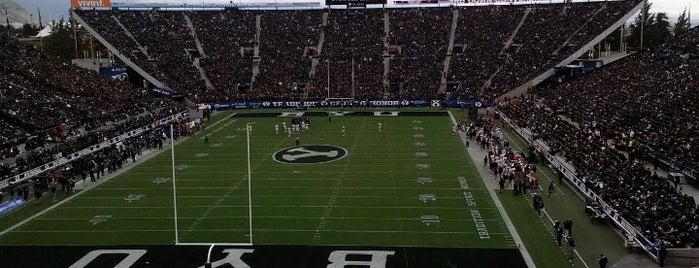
pixel 104 179
pixel 515 236
pixel 240 230
pixel 327 212
pixel 142 159
pixel 219 201
pixel 262 217
pixel 551 233
pixel 300 187
pixel 282 206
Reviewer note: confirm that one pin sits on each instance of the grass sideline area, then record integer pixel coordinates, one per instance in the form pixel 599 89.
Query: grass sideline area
pixel 375 200
pixel 370 197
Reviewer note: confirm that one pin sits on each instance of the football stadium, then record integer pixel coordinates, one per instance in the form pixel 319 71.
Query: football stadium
pixel 350 133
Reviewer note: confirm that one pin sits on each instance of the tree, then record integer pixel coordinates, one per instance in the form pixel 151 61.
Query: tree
pixel 682 24
pixel 635 28
pixel 655 28
pixel 60 42
pixel 659 30
pixel 29 30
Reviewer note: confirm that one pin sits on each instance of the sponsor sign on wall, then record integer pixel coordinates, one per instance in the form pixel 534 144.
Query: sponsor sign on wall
pixel 11 204
pixel 115 73
pixel 477 102
pixel 87 4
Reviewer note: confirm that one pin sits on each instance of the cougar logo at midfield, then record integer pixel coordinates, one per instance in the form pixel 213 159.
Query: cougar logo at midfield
pixel 310 154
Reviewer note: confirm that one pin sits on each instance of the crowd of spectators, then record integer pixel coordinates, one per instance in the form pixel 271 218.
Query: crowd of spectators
pixel 168 41
pixel 51 108
pixel 542 41
pixel 481 39
pixel 648 98
pixel 115 35
pixel 227 39
pixel 287 44
pixel 355 42
pixel 609 123
pixel 90 168
pixel 423 37
pixel 353 49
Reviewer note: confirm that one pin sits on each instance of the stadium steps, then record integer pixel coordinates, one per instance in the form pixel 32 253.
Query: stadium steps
pixel 256 49
pixel 581 51
pixel 200 48
pixel 202 74
pixel 506 46
pixel 319 48
pixel 190 25
pixel 128 33
pixel 567 41
pixel 514 33
pixel 125 59
pixel 258 32
pixel 386 58
pixel 450 48
pixel 321 39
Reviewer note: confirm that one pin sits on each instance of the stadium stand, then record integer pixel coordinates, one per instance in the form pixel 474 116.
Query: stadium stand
pixel 602 123
pixel 508 44
pixel 655 108
pixel 229 59
pixel 286 55
pixel 53 108
pixel 352 50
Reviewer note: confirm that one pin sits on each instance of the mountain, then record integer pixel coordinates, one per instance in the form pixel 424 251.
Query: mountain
pixel 17 14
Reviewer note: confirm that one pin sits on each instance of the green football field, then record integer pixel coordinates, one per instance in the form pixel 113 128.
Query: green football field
pixel 412 184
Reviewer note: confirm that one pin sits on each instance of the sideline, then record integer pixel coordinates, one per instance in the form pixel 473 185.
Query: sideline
pixel 515 236
pixel 148 155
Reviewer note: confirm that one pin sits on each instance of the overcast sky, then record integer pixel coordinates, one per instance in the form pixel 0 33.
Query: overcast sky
pixel 55 9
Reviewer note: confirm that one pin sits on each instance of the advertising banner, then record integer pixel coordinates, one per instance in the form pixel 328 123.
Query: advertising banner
pixel 88 4
pixel 116 73
pixel 11 204
pixel 342 103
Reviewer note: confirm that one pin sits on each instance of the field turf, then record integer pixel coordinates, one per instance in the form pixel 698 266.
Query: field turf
pixel 371 197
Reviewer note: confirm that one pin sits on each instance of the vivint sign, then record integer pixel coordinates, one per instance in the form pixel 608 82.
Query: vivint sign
pixel 90 3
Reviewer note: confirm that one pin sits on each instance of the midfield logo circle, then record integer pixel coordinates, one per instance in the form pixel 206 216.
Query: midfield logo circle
pixel 309 154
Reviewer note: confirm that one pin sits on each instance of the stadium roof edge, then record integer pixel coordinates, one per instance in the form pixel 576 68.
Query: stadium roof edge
pixel 311 4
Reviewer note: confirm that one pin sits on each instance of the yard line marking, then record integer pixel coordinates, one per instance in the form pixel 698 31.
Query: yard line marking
pixel 274 217
pixel 144 157
pixel 357 207
pixel 219 201
pixel 296 187
pixel 257 230
pixel 551 233
pixel 503 214
pixel 208 211
pixel 336 189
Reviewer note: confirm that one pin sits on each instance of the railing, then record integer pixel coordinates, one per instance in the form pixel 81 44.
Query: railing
pixel 569 174
pixel 670 164
pixel 89 150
